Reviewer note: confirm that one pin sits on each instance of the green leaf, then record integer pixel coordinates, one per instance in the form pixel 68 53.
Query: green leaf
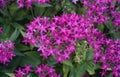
pixel 18 26
pixel 90 70
pixel 6 30
pixel 110 75
pixel 11 74
pixel 1 19
pixel 51 61
pixel 4 12
pixel 116 35
pixel 100 27
pixel 31 58
pixel 13 8
pixel 39 11
pixel 80 70
pixel 42 5
pixel 20 14
pixel 72 73
pixel 109 25
pixel 14 36
pixel 66 70
pixel 68 6
pixel 17 52
pixel 89 54
pixel 31 75
pixel 22 47
pixel 90 67
pixel 68 63
pixel 3 75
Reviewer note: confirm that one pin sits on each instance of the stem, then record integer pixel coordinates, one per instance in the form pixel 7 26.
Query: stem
pixel 32 12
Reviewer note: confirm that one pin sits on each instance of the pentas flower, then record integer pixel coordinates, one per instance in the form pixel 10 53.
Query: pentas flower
pixel 2 3
pixel 43 71
pixel 6 52
pixel 116 16
pixel 46 71
pixel 57 37
pixel 107 52
pixel 23 72
pixel 19 73
pixel 100 11
pixel 28 3
pixel 116 70
pixel 42 1
pixel 112 56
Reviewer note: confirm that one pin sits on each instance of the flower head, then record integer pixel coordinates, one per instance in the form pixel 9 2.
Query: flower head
pixel 57 37
pixel 6 52
pixel 22 72
pixel 46 71
pixel 28 3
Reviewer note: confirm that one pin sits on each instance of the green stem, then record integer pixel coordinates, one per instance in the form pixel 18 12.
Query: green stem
pixel 32 12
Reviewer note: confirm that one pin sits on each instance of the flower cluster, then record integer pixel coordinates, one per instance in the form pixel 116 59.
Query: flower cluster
pixel 101 11
pixel 43 70
pixel 116 16
pixel 2 3
pixel 107 52
pixel 111 56
pixel 23 72
pixel 46 71
pixel 57 37
pixel 28 3
pixel 6 52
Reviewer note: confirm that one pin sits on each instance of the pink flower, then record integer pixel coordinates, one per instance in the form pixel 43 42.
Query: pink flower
pixel 28 3
pixel 23 72
pixel 6 52
pixel 57 37
pixel 27 69
pixel 101 11
pixel 74 1
pixel 46 71
pixel 19 73
pixel 2 3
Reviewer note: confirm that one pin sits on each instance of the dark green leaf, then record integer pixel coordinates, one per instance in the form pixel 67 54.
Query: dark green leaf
pixel 22 47
pixel 15 34
pixel 81 70
pixel 110 75
pixel 3 75
pixel 18 26
pixel 72 73
pixel 31 58
pixel 42 5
